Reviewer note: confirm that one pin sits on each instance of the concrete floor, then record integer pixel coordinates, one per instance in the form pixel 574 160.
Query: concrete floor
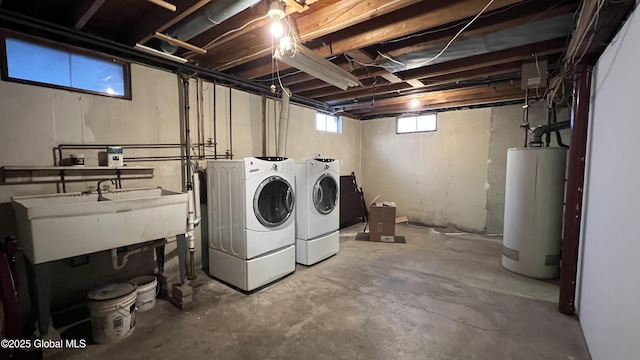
pixel 440 296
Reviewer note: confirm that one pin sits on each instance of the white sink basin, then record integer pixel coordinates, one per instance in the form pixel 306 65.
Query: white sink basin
pixel 59 226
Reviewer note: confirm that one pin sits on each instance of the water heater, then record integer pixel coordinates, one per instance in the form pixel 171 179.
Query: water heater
pixel 533 211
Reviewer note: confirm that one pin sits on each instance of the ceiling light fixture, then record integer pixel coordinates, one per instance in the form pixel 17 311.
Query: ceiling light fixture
pixel 313 64
pixel 414 103
pixel 277 30
pixel 161 54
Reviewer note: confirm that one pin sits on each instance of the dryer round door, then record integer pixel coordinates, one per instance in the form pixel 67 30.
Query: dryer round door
pixel 273 201
pixel 325 194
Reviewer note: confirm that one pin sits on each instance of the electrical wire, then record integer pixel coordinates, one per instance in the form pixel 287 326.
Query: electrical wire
pixel 461 23
pixel 457 34
pixel 592 22
pixel 210 43
pixel 391 59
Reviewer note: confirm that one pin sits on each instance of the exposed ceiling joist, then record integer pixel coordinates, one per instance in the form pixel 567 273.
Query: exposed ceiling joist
pixel 421 17
pixel 251 19
pixel 515 16
pixel 159 19
pixel 309 25
pixel 295 5
pixel 86 11
pixel 397 111
pixel 180 43
pixel 163 4
pixel 523 52
pixel 484 72
pixel 456 94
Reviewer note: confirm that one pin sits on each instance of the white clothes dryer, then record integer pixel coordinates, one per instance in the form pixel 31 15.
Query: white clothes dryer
pixel 251 204
pixel 317 209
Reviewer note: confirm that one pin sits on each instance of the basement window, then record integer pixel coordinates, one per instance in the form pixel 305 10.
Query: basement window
pixel 328 123
pixel 33 61
pixel 413 124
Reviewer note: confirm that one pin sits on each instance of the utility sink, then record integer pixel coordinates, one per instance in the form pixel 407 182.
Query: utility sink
pixel 59 226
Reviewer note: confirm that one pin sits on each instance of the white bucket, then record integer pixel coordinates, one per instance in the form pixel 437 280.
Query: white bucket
pixel 147 291
pixel 113 312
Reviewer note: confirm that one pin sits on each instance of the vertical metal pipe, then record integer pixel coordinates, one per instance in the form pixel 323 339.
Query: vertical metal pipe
pixel 215 135
pixel 187 133
pixel 525 120
pixel 575 186
pixel 200 107
pixel 264 125
pixel 230 126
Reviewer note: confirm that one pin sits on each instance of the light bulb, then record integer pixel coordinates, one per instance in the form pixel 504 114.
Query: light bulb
pixel 414 103
pixel 276 29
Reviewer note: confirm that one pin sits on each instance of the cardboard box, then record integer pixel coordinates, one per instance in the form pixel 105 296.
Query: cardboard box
pixel 382 221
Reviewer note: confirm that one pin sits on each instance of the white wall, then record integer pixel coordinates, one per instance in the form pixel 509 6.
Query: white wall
pixel 34 120
pixel 609 294
pixel 436 178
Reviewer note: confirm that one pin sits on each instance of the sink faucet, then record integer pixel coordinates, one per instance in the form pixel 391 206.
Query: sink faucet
pixel 100 197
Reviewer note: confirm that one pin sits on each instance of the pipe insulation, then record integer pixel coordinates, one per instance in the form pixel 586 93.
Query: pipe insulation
pixel 203 20
pixel 283 123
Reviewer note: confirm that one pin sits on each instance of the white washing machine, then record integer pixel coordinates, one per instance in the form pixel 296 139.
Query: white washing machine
pixel 251 220
pixel 317 209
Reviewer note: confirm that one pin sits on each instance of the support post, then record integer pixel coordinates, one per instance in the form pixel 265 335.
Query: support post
pixel 575 187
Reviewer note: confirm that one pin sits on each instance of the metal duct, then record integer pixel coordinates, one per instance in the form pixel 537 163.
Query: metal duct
pixel 203 20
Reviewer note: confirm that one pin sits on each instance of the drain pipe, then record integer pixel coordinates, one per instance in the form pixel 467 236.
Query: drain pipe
pixel 189 185
pixel 284 123
pixel 119 264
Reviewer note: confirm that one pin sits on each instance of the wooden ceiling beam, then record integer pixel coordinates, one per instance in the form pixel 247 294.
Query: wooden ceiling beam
pixel 335 97
pixel 164 4
pixel 518 53
pixel 428 96
pixel 360 73
pixel 439 101
pixel 319 84
pixel 516 16
pixel 159 19
pixel 421 17
pixel 433 106
pixel 86 10
pixel 588 42
pixel 179 43
pixel 251 19
pixel 296 6
pixel 310 25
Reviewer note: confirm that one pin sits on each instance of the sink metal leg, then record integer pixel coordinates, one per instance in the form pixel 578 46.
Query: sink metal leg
pixel 182 257
pixel 160 258
pixel 39 278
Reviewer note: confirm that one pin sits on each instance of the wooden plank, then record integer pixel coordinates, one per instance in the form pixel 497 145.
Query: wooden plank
pixel 296 6
pixel 251 19
pixel 434 106
pixel 418 18
pixel 163 4
pixel 310 25
pixel 457 94
pixel 335 97
pixel 180 43
pixel 159 19
pixel 517 16
pixel 86 12
pixel 518 53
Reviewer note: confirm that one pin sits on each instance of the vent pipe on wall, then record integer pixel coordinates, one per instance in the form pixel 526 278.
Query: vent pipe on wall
pixel 283 124
pixel 205 19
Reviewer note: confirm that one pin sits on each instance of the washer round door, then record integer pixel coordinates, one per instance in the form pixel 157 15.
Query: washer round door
pixel 325 194
pixel 273 201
